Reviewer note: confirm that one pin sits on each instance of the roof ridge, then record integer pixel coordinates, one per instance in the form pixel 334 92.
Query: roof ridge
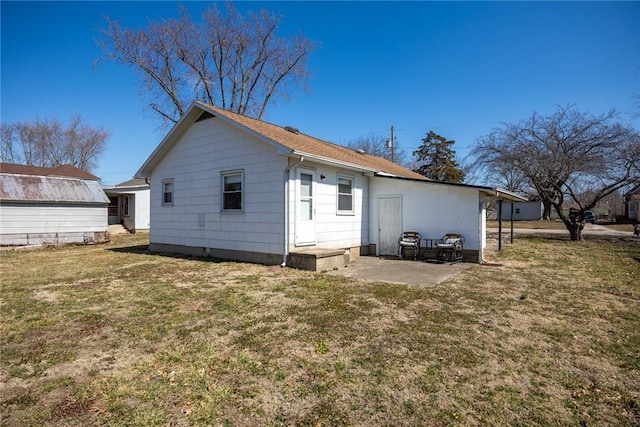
pixel 302 142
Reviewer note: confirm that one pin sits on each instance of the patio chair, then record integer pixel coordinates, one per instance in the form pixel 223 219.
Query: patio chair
pixel 409 239
pixel 450 248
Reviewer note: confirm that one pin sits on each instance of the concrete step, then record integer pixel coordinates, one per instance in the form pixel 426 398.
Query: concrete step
pixel 315 259
pixel 117 229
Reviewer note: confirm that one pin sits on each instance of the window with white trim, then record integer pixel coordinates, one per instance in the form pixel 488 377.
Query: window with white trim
pixel 167 191
pixel 125 206
pixel 232 185
pixel 345 195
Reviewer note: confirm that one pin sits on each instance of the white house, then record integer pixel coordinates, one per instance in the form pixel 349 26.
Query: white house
pixel 50 206
pixel 233 187
pixel 523 211
pixel 632 204
pixel 129 204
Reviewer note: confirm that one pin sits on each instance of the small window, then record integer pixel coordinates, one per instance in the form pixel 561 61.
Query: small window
pixel 167 192
pixel 125 206
pixel 345 195
pixel 517 210
pixel 232 191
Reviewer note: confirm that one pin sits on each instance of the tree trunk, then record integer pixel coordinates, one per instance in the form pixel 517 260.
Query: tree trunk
pixel 575 229
pixel 546 213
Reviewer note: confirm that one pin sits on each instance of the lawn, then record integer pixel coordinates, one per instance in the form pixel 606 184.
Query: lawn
pixel 547 334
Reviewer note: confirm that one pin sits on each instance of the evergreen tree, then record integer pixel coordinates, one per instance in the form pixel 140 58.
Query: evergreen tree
pixel 436 159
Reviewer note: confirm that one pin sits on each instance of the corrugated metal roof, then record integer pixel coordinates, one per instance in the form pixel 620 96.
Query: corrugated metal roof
pixel 30 188
pixel 64 170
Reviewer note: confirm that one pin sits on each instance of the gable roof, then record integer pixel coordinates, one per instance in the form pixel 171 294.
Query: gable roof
pixel 134 182
pixel 63 170
pixel 288 142
pixel 635 190
pixel 51 189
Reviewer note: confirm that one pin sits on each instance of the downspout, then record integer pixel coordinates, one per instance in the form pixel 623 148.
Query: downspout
pixel 286 172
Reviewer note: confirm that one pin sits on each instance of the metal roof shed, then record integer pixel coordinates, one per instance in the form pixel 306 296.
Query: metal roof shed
pixel 41 206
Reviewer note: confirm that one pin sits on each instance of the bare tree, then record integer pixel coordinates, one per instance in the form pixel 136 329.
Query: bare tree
pixel 50 143
pixel 378 145
pixel 229 60
pixel 569 157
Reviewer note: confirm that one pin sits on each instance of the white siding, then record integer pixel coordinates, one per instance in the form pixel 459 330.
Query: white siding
pixel 523 211
pixel 334 230
pixel 431 209
pixel 139 209
pixel 195 164
pixel 21 219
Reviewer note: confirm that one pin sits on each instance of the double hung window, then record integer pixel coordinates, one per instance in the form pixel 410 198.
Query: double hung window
pixel 345 195
pixel 232 187
pixel 167 191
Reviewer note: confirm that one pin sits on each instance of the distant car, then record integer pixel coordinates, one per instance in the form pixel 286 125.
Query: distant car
pixel 589 216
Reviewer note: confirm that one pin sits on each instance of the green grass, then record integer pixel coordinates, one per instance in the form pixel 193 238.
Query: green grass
pixel 113 335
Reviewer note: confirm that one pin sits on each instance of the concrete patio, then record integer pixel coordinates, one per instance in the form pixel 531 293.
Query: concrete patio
pixel 394 270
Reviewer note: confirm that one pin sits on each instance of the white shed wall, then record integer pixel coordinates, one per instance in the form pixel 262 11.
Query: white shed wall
pixel 195 219
pixel 19 220
pixel 431 209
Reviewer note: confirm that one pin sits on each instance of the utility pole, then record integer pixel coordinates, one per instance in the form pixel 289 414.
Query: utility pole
pixel 391 144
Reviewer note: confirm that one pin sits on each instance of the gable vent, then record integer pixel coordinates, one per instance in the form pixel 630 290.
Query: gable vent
pixel 292 130
pixel 204 116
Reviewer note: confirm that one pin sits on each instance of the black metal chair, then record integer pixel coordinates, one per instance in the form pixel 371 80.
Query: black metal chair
pixel 409 239
pixel 450 248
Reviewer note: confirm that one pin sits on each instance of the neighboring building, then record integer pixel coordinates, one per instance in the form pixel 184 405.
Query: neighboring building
pixel 632 204
pixel 523 211
pixel 129 204
pixel 233 187
pixel 51 206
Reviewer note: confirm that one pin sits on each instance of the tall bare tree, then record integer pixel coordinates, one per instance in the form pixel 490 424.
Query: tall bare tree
pixel 230 60
pixel 569 158
pixel 51 143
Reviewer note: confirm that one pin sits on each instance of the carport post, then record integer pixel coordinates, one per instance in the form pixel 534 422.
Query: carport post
pixel 499 225
pixel 512 203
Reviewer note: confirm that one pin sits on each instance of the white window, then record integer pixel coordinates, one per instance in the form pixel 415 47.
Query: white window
pixel 125 206
pixel 167 191
pixel 232 191
pixel 345 195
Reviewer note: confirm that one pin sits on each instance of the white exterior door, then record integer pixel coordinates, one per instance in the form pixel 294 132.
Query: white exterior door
pixel 389 224
pixel 305 208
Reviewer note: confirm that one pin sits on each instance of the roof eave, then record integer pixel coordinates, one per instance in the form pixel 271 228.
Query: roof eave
pixel 489 191
pixel 167 142
pixel 333 162
pixel 181 127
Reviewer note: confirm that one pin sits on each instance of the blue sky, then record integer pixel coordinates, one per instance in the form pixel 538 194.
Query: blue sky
pixel 457 68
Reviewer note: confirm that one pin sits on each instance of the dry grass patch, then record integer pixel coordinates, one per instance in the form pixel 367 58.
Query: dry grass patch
pixel 554 224
pixel 113 335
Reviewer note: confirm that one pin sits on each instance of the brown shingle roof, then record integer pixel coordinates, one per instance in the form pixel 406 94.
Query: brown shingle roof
pixel 301 143
pixel 64 170
pixel 134 182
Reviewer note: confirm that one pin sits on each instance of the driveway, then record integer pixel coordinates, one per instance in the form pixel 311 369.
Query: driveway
pixel 589 230
pixel 394 270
